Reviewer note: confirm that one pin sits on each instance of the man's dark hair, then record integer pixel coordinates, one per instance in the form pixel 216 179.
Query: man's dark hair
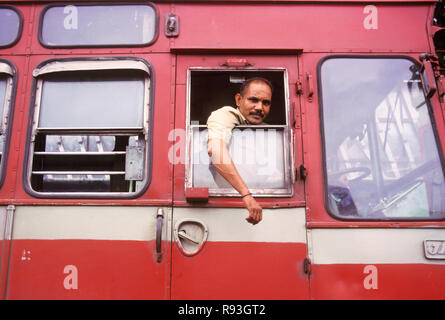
pixel 246 83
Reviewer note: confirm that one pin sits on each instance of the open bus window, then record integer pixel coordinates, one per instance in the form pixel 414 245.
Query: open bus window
pixel 382 159
pixel 98 25
pixel 261 153
pixel 10 26
pixel 90 128
pixel 6 92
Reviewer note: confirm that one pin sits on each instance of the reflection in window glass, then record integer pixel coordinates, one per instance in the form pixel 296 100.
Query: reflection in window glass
pixel 99 25
pixel 258 155
pixel 79 143
pixel 381 156
pixel 86 101
pixel 102 158
pixel 9 26
pixel 3 84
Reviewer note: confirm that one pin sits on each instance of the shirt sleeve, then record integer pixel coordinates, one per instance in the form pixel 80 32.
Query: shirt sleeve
pixel 220 124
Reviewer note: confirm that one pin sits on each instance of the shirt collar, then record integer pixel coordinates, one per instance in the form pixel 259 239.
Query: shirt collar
pixel 243 120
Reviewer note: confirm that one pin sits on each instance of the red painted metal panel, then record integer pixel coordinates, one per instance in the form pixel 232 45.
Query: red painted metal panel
pixel 4 260
pixel 86 269
pixel 311 27
pixel 241 270
pixel 391 281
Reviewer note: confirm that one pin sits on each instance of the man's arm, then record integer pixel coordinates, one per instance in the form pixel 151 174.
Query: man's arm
pixel 221 160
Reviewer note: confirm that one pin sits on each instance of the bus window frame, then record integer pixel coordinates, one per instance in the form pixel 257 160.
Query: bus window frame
pixel 288 155
pixel 98 3
pixel 7 119
pixel 147 128
pixel 20 29
pixel 323 140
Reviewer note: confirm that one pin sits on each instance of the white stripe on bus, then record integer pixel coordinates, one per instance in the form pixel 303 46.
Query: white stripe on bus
pixel 229 224
pixel 371 246
pixel 85 222
pixel 139 223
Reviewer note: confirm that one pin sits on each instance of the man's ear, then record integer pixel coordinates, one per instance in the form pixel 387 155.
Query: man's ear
pixel 238 98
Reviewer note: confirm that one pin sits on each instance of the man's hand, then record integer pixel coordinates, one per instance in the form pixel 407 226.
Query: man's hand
pixel 255 210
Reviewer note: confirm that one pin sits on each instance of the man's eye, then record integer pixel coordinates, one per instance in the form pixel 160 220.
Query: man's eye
pixel 254 100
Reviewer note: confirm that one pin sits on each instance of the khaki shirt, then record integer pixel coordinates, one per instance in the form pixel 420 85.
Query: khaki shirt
pixel 222 121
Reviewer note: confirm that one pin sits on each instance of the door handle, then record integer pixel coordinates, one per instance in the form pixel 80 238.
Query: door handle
pixel 182 234
pixel 190 236
pixel 159 223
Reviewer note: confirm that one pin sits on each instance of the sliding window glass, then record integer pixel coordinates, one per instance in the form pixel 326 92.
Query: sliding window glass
pixel 91 127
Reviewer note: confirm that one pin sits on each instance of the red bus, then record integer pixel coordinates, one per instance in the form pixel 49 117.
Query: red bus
pixel 107 191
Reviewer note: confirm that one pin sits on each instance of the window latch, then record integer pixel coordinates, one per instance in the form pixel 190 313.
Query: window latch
pixel 303 172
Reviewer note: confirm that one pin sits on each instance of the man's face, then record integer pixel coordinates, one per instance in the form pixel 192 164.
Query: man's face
pixel 255 104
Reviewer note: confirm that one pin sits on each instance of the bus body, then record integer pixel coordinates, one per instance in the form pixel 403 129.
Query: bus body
pixel 107 191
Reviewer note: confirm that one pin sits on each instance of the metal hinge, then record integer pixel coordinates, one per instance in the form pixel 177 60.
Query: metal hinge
pixel 303 172
pixel 433 60
pixel 299 86
pixel 310 84
pixel 307 266
pixel 428 73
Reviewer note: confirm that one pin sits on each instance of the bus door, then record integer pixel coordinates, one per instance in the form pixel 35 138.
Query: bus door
pixel 375 183
pixel 216 254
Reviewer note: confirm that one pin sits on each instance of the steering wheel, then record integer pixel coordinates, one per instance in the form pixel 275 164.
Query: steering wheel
pixel 365 171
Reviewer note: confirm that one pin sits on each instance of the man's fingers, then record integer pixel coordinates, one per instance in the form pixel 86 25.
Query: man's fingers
pixel 251 220
pixel 255 216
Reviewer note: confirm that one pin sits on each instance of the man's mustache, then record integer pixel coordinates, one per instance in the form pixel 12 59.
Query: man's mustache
pixel 257 113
